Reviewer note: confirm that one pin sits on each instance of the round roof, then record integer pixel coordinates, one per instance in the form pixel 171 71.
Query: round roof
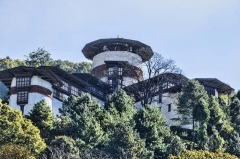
pixel 117 44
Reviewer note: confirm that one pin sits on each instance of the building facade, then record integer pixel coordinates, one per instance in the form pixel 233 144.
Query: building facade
pixel 115 64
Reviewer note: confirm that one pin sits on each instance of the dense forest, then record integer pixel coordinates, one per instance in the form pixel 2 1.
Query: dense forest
pixel 85 129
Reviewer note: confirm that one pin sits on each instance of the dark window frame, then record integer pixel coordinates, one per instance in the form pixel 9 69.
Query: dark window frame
pixel 170 107
pixel 23 81
pixel 22 97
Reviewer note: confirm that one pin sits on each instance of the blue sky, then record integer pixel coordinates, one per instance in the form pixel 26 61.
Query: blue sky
pixel 202 36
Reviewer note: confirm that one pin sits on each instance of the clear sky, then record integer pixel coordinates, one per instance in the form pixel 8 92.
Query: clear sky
pixel 202 36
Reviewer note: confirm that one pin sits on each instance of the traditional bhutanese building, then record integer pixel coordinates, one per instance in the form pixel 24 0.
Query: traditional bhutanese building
pixel 114 61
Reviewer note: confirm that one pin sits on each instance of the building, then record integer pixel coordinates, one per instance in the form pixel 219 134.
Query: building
pixel 114 63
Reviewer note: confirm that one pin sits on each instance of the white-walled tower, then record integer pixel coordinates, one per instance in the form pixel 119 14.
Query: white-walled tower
pixel 117 61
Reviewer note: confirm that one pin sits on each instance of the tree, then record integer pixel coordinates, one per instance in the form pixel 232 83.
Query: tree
pixel 151 126
pixel 71 67
pixel 216 124
pixel 67 145
pixel 125 143
pixel 233 143
pixel 202 155
pixel 15 129
pixel 119 107
pixel 42 117
pixel 15 152
pixel 84 115
pixel 238 94
pixel 176 146
pixel 119 125
pixel 193 107
pixel 235 111
pixel 7 63
pixel 157 71
pixel 40 57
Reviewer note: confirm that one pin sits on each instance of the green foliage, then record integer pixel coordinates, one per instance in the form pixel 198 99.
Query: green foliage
pixel 193 103
pixel 42 117
pixel 216 124
pixel 67 145
pixel 202 155
pixel 126 143
pixel 15 152
pixel 40 57
pixel 119 108
pixel 238 94
pixel 95 154
pixel 6 63
pixel 83 115
pixel 233 143
pixel 14 129
pixel 176 146
pixel 152 127
pixel 193 106
pixel 71 67
pixel 235 110
pixel 225 101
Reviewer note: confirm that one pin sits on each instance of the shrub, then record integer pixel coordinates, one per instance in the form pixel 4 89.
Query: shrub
pixel 15 152
pixel 203 155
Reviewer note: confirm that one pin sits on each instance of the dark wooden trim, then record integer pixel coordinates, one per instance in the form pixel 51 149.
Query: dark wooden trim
pixel 33 89
pixel 135 72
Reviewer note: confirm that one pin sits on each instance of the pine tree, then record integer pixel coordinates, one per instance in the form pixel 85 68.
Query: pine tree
pixel 176 146
pixel 152 128
pixel 42 117
pixel 233 143
pixel 193 107
pixel 67 145
pixel 124 141
pixel 216 124
pixel 84 115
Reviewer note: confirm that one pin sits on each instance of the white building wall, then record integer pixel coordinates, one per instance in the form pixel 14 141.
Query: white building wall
pixel 131 58
pixel 13 83
pixel 216 93
pixel 167 98
pixel 33 98
pixel 56 104
pixel 40 82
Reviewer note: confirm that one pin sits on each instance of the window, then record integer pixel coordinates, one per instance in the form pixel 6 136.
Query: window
pixel 110 71
pixel 210 91
pixel 115 71
pixel 169 107
pixel 160 98
pixel 65 86
pixel 23 81
pixel 22 97
pixel 74 91
pixel 97 91
pixel 57 94
pixel 120 70
pixel 119 83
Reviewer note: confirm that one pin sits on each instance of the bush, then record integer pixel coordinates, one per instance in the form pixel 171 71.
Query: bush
pixel 15 152
pixel 202 155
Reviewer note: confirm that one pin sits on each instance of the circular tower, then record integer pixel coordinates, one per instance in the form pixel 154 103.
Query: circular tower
pixel 117 61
